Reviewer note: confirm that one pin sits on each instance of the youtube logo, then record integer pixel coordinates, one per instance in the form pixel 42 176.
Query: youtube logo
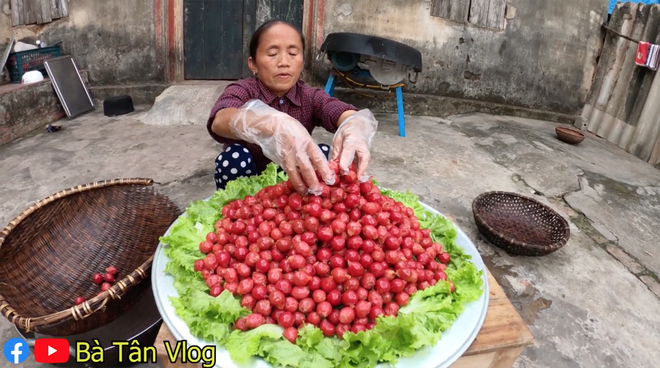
pixel 51 351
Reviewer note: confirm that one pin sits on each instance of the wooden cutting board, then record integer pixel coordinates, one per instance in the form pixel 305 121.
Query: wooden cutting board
pixel 502 337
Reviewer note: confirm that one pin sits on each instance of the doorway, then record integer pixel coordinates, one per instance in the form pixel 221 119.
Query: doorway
pixel 216 34
pixel 213 39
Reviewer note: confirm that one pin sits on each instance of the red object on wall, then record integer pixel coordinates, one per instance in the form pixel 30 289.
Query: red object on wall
pixel 642 53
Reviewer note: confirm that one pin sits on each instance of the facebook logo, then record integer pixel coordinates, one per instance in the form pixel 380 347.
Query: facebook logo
pixel 16 350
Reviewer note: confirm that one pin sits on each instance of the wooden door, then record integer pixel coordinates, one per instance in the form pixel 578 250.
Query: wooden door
pixel 213 39
pixel 288 10
pixel 217 34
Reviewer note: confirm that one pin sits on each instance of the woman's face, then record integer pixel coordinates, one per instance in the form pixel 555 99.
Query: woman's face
pixel 279 58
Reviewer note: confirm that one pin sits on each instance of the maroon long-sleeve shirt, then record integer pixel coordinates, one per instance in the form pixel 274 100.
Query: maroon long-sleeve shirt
pixel 312 107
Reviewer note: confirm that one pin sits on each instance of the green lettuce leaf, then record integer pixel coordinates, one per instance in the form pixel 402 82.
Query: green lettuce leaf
pixel 419 324
pixel 242 346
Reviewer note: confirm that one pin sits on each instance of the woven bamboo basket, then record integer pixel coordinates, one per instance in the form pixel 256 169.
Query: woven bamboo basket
pixel 518 224
pixel 50 252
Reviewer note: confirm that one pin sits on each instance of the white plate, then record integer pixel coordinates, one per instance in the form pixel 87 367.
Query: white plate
pixel 455 341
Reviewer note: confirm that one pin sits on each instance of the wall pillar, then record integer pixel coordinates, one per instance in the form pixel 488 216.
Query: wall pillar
pixel 168 20
pixel 313 29
pixel 175 40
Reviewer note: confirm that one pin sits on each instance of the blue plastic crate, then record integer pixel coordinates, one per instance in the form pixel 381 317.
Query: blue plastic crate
pixel 25 61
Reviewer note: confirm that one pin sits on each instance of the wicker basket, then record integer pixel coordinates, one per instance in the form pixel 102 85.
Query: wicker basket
pixel 518 224
pixel 50 252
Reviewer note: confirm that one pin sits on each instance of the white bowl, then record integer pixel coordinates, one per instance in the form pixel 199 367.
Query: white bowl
pixel 33 76
pixel 455 341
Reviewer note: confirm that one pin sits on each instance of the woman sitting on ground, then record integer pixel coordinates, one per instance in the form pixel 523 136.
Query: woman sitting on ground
pixel 270 117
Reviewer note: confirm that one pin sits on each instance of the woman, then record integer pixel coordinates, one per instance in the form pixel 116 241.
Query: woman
pixel 270 117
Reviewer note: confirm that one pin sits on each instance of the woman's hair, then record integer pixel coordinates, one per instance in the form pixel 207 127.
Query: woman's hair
pixel 256 36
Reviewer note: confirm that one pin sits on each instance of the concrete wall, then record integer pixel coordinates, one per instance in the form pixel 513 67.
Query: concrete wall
pixel 544 59
pixel 24 108
pixel 115 40
pixel 16 120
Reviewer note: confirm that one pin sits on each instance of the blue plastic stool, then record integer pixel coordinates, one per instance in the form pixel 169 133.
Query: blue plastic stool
pixel 330 88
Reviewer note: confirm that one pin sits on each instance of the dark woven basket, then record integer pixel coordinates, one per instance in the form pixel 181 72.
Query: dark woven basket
pixel 518 224
pixel 49 253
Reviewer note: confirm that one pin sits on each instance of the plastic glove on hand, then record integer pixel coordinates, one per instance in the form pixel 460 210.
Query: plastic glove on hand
pixel 353 139
pixel 286 142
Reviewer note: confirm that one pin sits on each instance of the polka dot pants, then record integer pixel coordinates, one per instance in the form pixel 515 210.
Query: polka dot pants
pixel 236 162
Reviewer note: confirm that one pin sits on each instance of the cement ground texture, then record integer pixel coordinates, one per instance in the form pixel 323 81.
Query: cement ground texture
pixel 594 303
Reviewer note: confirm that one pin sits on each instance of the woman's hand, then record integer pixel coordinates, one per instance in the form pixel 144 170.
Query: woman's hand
pixel 286 142
pixel 353 139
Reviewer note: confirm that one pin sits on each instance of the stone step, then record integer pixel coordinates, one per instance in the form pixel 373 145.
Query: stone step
pixel 185 104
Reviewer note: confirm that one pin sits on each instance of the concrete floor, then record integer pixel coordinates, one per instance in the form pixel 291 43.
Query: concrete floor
pixel 590 304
